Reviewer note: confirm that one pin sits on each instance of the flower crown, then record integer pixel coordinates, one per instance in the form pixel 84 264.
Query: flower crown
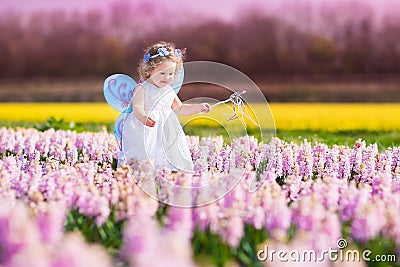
pixel 161 52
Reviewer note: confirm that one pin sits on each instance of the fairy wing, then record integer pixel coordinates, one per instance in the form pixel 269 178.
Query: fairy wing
pixel 177 84
pixel 119 126
pixel 118 91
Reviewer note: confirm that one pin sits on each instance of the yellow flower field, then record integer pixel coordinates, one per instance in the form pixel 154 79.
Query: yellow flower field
pixel 287 116
pixel 334 117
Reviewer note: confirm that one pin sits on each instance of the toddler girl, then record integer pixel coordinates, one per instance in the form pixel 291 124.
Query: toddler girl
pixel 152 130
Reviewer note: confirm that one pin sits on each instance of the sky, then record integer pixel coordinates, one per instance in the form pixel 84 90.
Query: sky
pixel 222 9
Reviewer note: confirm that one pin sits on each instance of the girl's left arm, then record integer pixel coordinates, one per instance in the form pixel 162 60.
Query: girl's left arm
pixel 189 109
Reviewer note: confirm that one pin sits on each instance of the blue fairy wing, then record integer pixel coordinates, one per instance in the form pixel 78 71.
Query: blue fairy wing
pixel 177 84
pixel 119 126
pixel 118 91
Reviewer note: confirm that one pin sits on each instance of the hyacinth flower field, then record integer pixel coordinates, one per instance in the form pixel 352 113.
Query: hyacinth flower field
pixel 64 203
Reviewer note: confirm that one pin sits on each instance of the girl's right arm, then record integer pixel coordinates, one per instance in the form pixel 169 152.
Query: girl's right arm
pixel 138 107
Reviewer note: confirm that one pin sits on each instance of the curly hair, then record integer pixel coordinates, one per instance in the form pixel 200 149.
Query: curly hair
pixel 147 66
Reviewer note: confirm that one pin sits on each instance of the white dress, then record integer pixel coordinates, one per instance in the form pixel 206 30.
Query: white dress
pixel 165 143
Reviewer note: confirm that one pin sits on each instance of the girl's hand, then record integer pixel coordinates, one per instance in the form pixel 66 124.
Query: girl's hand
pixel 205 107
pixel 149 122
